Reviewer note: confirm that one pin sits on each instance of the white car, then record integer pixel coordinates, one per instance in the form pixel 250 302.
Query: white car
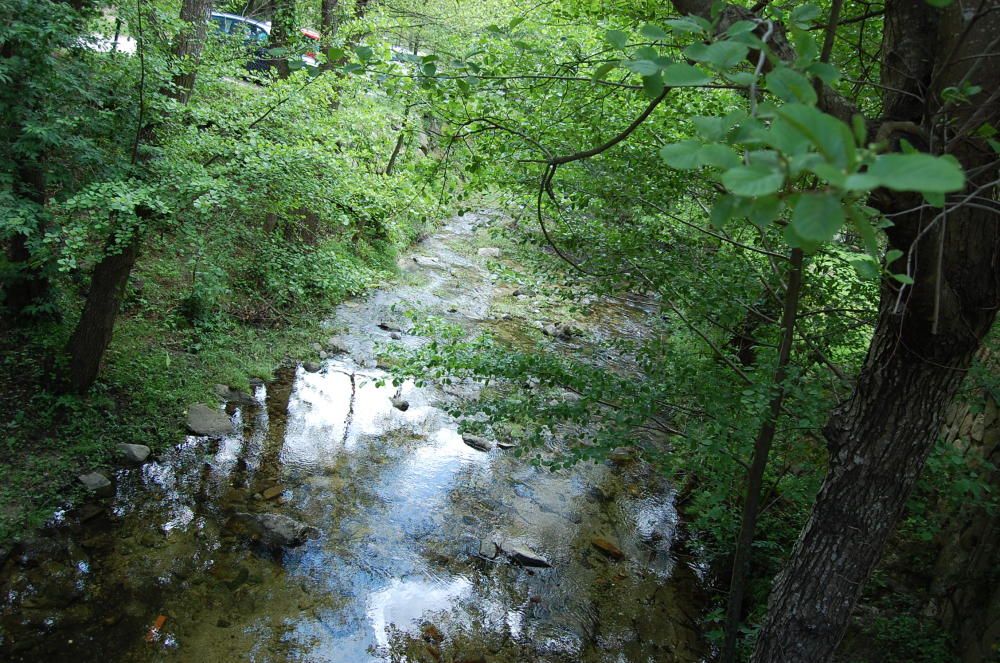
pixel 258 32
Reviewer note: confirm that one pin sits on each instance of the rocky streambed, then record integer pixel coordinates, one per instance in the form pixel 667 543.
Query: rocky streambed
pixel 329 516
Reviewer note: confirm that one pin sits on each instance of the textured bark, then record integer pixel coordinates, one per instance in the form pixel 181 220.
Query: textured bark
pixel 966 579
pixel 93 333
pixel 880 439
pixel 328 18
pixel 190 43
pixel 283 32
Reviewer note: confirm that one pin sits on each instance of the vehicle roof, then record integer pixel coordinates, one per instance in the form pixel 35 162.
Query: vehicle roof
pixel 261 24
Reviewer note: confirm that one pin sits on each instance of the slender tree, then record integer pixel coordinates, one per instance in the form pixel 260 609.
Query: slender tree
pixel 283 31
pixel 93 332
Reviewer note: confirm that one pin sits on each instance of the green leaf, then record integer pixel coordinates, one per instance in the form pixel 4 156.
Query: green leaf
pixel 917 172
pixel 816 219
pixel 643 67
pixel 723 210
pixel 790 85
pixel 616 38
pixel 709 127
pixel 940 4
pixel 654 32
pixel 804 15
pixel 653 85
pixel 903 278
pixel 603 71
pixel 860 182
pixel 687 24
pixel 740 28
pixel 762 211
pixel 685 155
pixel 831 137
pixel 865 229
pixel 719 156
pixel 364 53
pixel 824 71
pixel 722 54
pixel 682 74
pixel 753 180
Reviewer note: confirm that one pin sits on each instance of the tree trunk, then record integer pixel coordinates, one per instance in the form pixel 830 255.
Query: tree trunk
pixel 30 285
pixel 966 584
pixel 924 341
pixel 328 19
pixel 93 333
pixel 190 43
pixel 283 32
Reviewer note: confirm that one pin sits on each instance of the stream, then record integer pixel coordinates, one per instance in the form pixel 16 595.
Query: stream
pixel 418 547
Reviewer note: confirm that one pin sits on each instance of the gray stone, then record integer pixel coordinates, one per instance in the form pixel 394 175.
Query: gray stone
pixel 489 252
pixel 395 336
pixel 134 453
pixel 96 482
pixel 487 549
pixel 426 261
pixel 311 367
pixel 400 403
pixel 323 354
pixel 230 395
pixel 203 420
pixel 477 442
pixel 506 444
pixel 336 346
pixel 389 327
pixel 525 556
pixel 277 530
pixel 316 347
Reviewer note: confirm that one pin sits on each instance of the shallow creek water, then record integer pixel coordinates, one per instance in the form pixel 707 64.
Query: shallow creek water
pixel 402 564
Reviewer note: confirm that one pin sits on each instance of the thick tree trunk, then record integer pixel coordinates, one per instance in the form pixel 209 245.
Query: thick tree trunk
pixel 328 18
pixel 283 32
pixel 924 341
pixel 190 43
pixel 93 333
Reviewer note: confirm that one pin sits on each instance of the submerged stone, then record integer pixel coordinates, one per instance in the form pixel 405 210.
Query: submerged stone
pixel 277 530
pixel 608 548
pixel 311 367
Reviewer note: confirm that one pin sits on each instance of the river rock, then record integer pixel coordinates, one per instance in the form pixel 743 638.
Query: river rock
pixel 336 346
pixel 277 530
pixel 400 404
pixel 272 492
pixel 203 420
pixel 525 556
pixel 489 252
pixel 134 453
pixel 506 444
pixel 230 395
pixel 477 442
pixel 311 367
pixel 396 336
pixel 389 327
pixel 608 548
pixel 96 482
pixel 426 261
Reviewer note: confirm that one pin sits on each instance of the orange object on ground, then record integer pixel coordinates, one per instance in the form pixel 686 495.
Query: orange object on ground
pixel 157 625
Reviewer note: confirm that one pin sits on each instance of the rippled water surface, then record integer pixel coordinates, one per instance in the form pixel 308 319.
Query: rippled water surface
pixel 403 561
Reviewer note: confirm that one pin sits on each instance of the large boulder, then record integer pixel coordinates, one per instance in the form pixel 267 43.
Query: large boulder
pixel 203 420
